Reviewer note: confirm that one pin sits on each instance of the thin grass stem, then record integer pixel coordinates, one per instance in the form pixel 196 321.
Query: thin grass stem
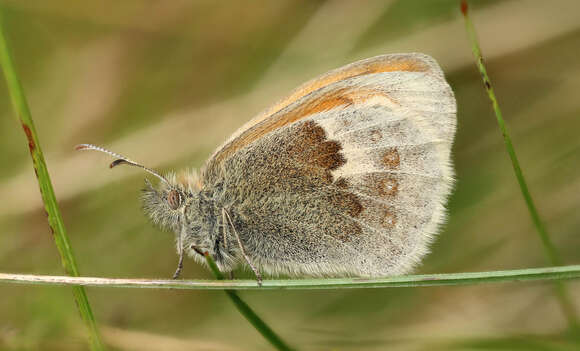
pixel 406 281
pixel 55 222
pixel 549 248
pixel 247 312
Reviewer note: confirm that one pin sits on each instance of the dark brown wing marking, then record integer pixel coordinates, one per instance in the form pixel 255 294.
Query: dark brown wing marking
pixel 287 181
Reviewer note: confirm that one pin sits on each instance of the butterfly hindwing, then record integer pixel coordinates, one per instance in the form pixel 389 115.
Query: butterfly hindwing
pixel 349 175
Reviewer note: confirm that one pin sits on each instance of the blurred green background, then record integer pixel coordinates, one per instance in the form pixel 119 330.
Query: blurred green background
pixel 165 82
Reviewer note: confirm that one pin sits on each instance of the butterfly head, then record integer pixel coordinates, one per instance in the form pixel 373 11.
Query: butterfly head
pixel 166 204
pixel 179 205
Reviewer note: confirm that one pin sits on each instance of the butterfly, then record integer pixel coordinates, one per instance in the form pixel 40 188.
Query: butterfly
pixel 347 176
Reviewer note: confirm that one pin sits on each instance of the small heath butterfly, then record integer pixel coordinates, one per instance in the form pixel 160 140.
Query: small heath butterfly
pixel 347 176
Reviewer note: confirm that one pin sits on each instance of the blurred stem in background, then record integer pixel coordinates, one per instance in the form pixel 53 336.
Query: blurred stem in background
pixel 553 257
pixel 55 222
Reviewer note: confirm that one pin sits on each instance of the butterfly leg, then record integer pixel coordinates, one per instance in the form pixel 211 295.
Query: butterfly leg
pixel 227 217
pixel 180 263
pixel 224 236
pixel 179 266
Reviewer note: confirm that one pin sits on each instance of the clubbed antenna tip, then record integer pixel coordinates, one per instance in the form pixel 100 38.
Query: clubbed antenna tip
pixel 120 159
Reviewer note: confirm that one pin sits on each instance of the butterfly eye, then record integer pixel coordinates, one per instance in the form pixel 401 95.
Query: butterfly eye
pixel 174 199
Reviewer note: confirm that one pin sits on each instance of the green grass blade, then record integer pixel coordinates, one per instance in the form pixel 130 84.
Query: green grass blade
pixel 549 248
pixel 247 312
pixel 55 222
pixel 406 281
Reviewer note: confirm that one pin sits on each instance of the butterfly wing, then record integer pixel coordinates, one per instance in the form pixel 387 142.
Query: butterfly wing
pixel 348 175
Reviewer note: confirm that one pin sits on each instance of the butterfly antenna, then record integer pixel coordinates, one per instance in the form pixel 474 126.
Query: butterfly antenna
pixel 120 159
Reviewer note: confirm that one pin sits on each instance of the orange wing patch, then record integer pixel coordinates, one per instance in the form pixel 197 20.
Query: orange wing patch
pixel 387 64
pixel 339 98
pixel 276 117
